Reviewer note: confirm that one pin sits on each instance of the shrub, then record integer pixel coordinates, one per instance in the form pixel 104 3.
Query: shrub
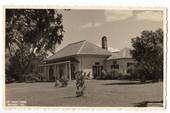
pixel 9 79
pixel 33 77
pixel 116 75
pixel 138 72
pixel 112 75
pixel 63 81
pixel 133 73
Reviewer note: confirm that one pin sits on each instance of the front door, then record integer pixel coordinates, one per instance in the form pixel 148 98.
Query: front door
pixel 97 71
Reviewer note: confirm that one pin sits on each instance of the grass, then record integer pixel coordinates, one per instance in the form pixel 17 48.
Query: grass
pixel 99 93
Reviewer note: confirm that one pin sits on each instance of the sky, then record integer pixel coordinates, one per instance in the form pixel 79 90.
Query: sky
pixel 119 26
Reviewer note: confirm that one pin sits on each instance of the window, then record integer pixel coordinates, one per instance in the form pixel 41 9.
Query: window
pixel 129 64
pixel 114 66
pixel 97 63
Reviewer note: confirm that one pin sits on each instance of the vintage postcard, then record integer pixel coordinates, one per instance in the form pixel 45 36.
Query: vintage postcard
pixel 85 57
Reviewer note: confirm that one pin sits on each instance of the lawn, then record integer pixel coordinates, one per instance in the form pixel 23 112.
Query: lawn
pixel 106 93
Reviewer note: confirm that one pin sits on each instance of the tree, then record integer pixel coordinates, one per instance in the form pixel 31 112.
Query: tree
pixel 31 33
pixel 148 52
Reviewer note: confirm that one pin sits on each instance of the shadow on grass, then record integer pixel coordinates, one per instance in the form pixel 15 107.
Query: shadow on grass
pixel 145 103
pixel 128 83
pixel 75 97
pixel 59 86
pixel 71 97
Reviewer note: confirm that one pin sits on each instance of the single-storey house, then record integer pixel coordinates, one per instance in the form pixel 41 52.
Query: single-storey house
pixel 87 57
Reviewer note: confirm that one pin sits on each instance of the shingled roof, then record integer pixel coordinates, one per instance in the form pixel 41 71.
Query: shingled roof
pixel 124 53
pixel 79 48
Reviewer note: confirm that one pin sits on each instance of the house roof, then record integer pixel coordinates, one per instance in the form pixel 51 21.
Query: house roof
pixel 79 48
pixel 124 53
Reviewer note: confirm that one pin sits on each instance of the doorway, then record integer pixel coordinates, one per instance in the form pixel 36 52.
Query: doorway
pixel 97 70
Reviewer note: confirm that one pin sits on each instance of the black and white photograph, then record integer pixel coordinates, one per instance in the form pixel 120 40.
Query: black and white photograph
pixel 110 57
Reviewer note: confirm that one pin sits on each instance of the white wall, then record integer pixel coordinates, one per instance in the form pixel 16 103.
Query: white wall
pixel 122 65
pixel 86 62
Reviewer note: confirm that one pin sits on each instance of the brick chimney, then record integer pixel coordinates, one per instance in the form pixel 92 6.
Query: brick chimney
pixel 104 42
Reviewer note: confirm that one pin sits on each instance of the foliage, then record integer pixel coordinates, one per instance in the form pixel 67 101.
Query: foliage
pixel 33 77
pixel 112 75
pixel 30 33
pixel 148 52
pixel 63 81
pixel 133 72
pixel 9 79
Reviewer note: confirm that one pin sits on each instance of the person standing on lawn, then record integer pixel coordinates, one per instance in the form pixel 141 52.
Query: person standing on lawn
pixel 80 84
